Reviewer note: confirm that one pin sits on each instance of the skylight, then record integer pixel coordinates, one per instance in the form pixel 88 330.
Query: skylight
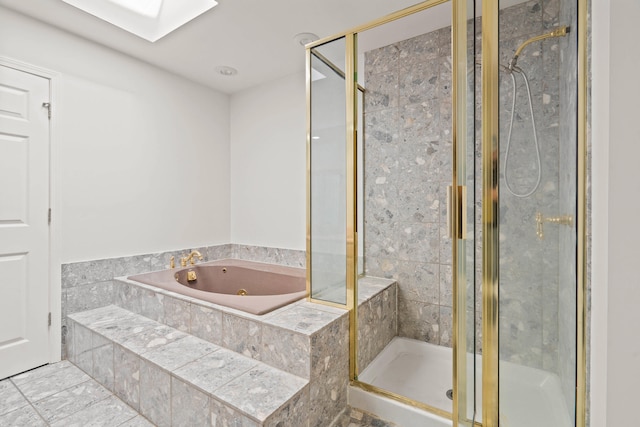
pixel 150 8
pixel 149 19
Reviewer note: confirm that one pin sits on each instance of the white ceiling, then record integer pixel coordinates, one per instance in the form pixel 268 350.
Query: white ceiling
pixel 254 36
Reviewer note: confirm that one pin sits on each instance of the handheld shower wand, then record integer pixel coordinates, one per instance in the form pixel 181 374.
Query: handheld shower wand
pixel 512 68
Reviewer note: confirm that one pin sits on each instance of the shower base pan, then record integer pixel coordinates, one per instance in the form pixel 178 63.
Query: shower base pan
pixel 423 372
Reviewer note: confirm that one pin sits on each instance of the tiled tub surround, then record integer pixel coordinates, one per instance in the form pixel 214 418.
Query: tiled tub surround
pixel 157 330
pixel 173 378
pixel 281 338
pixel 89 284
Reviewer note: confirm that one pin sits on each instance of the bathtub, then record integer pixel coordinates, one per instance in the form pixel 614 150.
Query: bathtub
pixel 249 286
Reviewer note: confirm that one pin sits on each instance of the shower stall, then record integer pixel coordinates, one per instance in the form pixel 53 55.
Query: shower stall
pixel 446 153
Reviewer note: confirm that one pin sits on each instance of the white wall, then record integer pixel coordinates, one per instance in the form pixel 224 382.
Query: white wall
pixel 600 40
pixel 268 164
pixel 623 325
pixel 142 155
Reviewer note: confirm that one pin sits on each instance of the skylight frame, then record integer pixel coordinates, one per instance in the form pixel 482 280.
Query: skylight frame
pixel 151 20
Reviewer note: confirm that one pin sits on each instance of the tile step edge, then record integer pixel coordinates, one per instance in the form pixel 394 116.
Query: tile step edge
pixel 77 319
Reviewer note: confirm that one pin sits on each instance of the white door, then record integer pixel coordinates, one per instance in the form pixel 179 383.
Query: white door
pixel 24 229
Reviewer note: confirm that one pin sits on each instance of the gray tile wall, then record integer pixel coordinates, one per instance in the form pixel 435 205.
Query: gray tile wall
pixel 377 317
pixel 529 266
pixel 407 157
pixel 408 165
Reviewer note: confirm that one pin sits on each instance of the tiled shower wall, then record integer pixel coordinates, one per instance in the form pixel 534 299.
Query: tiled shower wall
pixel 549 263
pixel 408 165
pixel 88 285
pixel 529 266
pixel 407 157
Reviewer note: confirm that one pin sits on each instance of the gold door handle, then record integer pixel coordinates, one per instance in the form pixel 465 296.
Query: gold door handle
pixel 457 211
pixel 560 220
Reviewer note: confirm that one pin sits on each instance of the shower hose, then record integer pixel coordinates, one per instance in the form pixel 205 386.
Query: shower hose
pixel 511 72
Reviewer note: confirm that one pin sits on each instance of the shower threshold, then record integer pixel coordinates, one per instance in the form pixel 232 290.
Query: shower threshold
pixel 423 372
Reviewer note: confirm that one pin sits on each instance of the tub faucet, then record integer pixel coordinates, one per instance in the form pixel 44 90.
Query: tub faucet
pixel 190 258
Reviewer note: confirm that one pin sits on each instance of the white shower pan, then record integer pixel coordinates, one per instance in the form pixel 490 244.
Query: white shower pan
pixel 423 372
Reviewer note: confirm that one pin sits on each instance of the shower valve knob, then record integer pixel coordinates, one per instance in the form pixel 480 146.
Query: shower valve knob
pixel 561 220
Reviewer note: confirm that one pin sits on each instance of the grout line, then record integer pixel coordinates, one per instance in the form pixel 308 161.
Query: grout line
pixel 170 402
pixel 46 376
pixel 86 407
pixel 138 414
pixel 29 403
pixel 39 414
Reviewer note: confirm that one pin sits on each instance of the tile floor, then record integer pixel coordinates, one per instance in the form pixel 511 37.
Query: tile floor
pixel 61 395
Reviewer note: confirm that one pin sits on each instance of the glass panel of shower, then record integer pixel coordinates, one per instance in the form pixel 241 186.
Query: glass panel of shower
pixel 326 240
pixel 406 69
pixel 464 197
pixel 537 211
pixel 456 124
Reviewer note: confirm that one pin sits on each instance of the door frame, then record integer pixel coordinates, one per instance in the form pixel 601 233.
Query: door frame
pixel 54 267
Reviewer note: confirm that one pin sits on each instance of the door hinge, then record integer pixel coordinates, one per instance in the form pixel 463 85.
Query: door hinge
pixel 49 319
pixel 49 217
pixel 47 105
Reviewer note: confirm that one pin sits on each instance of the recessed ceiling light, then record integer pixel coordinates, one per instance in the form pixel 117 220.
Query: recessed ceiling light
pixel 149 19
pixel 226 71
pixel 304 39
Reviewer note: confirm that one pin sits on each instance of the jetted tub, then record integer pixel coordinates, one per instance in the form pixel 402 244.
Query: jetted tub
pixel 249 286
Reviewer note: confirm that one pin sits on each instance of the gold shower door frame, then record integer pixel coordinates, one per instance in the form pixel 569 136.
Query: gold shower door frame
pixel 490 212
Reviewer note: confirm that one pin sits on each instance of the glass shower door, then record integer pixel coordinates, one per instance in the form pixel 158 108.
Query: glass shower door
pixel 537 207
pixel 462 206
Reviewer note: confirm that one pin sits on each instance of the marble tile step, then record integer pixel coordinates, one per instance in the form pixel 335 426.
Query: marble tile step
pixel 174 378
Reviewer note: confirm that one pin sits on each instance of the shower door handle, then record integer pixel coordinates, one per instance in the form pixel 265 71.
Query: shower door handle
pixel 457 211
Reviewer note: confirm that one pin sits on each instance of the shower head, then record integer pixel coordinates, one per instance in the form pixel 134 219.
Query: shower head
pixel 558 32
